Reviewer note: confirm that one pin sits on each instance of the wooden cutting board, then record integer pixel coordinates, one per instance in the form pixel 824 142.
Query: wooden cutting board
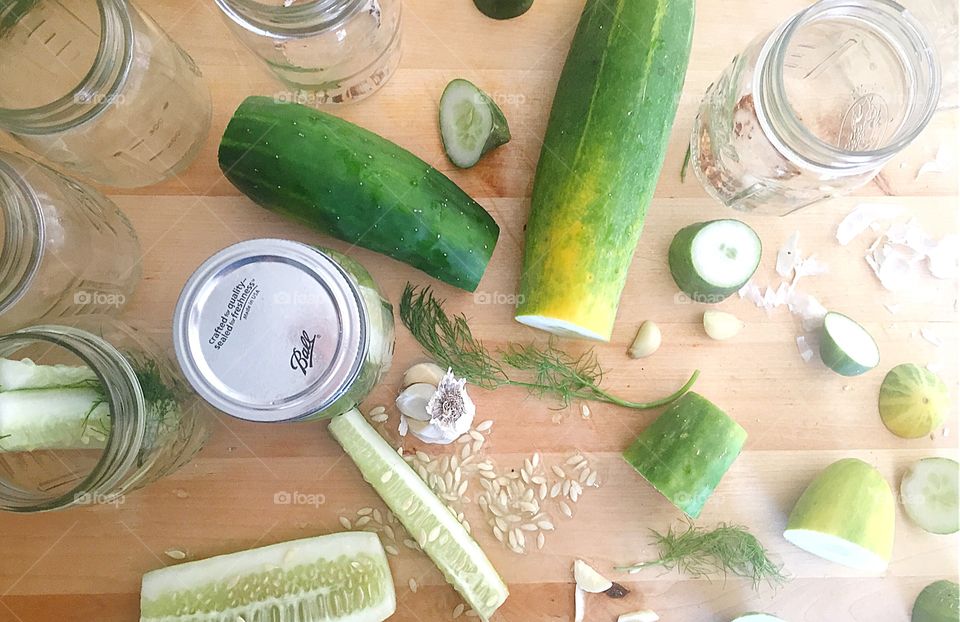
pixel 85 564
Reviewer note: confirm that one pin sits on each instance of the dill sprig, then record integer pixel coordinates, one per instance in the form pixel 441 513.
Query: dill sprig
pixel 701 553
pixel 554 372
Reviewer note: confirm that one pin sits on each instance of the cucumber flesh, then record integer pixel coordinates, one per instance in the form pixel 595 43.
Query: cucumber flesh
pixel 846 347
pixel 710 261
pixel 341 577
pixel 25 374
pixel 837 550
pixel 938 602
pixel 929 491
pixel 35 419
pixel 503 9
pixel 471 124
pixel 422 513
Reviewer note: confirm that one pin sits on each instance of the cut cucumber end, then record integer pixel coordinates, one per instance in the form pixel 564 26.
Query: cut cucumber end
pixel 938 602
pixel 503 9
pixel 846 347
pixel 471 124
pixel 709 261
pixel 929 491
pixel 835 549
pixel 561 328
pixel 913 401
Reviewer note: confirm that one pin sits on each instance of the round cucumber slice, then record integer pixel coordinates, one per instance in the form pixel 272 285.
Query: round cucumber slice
pixel 341 577
pixel 938 602
pixel 503 9
pixel 757 617
pixel 711 260
pixel 846 515
pixel 913 401
pixel 471 124
pixel 929 491
pixel 846 347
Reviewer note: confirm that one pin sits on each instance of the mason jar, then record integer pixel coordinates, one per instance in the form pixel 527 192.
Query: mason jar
pixel 327 51
pixel 65 249
pixel 89 410
pixel 273 330
pixel 817 107
pixel 97 87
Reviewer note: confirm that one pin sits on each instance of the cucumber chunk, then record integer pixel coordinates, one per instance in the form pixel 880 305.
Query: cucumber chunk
pixel 342 577
pixel 929 491
pixel 846 347
pixel 471 124
pixel 503 9
pixel 35 419
pixel 913 401
pixel 710 261
pixel 938 602
pixel 25 374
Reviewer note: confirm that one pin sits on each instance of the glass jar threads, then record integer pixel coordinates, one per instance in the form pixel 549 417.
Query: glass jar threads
pixel 98 87
pixel 329 51
pixel 816 108
pixel 89 410
pixel 273 330
pixel 65 249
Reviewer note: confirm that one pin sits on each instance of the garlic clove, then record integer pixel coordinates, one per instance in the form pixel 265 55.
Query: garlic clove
pixel 646 342
pixel 423 373
pixel 720 325
pixel 589 579
pixel 412 401
pixel 429 433
pixel 644 615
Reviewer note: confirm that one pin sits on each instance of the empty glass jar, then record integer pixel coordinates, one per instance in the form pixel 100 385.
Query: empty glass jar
pixel 98 87
pixel 816 108
pixel 65 249
pixel 89 410
pixel 328 51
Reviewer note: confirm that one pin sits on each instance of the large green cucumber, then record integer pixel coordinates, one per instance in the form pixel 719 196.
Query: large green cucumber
pixel 356 186
pixel 686 451
pixel 601 157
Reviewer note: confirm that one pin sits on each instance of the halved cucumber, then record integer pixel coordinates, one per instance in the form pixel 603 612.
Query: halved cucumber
pixel 471 124
pixel 711 260
pixel 503 9
pixel 757 617
pixel 929 491
pixel 846 347
pixel 938 602
pixel 422 513
pixel 342 577
pixel 32 419
pixel 25 374
pixel 913 401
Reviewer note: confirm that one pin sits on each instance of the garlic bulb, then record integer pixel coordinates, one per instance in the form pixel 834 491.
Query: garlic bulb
pixel 438 414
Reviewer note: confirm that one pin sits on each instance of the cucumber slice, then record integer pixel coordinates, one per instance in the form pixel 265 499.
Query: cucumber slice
pixel 25 374
pixel 846 347
pixel 342 577
pixel 503 9
pixel 426 517
pixel 757 617
pixel 929 491
pixel 710 261
pixel 471 124
pixel 53 419
pixel 938 602
pixel 913 401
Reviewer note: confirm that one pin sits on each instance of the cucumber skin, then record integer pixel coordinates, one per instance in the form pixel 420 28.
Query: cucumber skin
pixel 359 187
pixel 938 602
pixel 835 358
pixel 851 500
pixel 503 9
pixel 601 158
pixel 686 451
pixel 680 258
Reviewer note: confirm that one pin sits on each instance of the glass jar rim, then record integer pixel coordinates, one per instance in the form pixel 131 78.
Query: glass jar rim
pixel 127 432
pixel 29 213
pixel 95 91
pixel 296 21
pixel 792 137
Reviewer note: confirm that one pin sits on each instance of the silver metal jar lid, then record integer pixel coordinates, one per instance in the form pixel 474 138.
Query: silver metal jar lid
pixel 270 330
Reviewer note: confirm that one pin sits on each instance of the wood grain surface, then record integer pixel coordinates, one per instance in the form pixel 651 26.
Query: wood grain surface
pixel 85 564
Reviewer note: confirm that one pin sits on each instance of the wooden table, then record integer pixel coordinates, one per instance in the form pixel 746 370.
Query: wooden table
pixel 85 564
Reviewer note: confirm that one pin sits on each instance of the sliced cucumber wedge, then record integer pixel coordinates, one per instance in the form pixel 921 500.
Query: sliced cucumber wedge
pixel 342 577
pixel 710 261
pixel 938 602
pixel 25 374
pixel 503 9
pixel 422 513
pixel 846 347
pixel 35 419
pixel 471 124
pixel 929 491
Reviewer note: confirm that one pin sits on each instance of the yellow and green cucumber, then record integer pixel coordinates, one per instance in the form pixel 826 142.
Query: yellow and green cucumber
pixel 709 261
pixel 938 602
pixel 913 401
pixel 686 451
pixel 601 157
pixel 846 515
pixel 356 186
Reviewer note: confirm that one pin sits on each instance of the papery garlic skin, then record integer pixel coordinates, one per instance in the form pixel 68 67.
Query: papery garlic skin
pixel 449 411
